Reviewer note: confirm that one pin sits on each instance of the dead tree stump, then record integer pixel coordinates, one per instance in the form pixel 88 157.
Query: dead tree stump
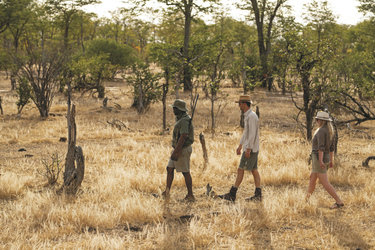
pixel 105 102
pixel 73 175
pixel 203 142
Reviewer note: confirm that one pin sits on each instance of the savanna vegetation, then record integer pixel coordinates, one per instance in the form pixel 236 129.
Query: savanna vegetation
pixel 121 74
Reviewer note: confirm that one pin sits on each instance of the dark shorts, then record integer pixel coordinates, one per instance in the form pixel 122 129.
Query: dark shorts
pixel 183 162
pixel 249 164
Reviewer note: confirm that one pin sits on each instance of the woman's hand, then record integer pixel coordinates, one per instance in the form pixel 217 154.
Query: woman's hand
pixel 331 164
pixel 322 165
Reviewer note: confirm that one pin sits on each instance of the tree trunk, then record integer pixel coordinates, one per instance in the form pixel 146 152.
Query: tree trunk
pixel 187 69
pixel 140 107
pixel 212 113
pixel 13 80
pixel 164 98
pixel 264 37
pixel 1 108
pixel 244 81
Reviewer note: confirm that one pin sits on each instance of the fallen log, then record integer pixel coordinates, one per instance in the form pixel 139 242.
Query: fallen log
pixel 365 163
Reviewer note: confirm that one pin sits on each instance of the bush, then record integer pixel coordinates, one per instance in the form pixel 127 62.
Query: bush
pixel 146 87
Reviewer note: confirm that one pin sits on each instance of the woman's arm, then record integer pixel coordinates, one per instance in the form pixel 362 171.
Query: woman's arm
pixel 321 153
pixel 331 159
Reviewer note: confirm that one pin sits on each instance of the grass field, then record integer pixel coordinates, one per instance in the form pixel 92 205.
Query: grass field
pixel 116 209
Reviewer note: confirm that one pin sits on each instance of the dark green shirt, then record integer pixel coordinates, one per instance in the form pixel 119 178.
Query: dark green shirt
pixel 182 127
pixel 322 142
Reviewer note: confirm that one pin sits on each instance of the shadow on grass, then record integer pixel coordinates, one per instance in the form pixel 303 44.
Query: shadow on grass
pixel 262 236
pixel 346 235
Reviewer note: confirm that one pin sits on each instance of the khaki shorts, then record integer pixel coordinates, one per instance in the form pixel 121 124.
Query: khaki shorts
pixel 249 164
pixel 183 162
pixel 316 166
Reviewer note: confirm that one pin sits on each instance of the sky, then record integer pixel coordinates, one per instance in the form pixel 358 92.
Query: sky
pixel 345 9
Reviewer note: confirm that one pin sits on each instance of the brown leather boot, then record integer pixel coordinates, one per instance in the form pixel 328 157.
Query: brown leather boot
pixel 231 196
pixel 257 196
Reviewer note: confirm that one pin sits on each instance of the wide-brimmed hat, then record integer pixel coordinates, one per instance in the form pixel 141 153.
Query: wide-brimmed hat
pixel 321 115
pixel 244 98
pixel 180 104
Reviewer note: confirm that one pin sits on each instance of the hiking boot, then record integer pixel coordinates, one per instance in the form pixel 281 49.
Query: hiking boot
pixel 231 196
pixel 257 196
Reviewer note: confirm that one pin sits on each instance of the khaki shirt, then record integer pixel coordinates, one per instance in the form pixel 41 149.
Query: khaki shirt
pixel 322 142
pixel 182 127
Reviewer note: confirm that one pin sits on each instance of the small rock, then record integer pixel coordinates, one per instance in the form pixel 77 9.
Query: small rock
pixel 63 139
pixel 21 149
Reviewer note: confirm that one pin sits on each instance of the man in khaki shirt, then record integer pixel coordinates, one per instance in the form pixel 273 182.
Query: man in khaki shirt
pixel 249 145
pixel 183 138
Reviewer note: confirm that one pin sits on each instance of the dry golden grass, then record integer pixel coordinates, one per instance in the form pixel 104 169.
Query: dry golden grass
pixel 115 208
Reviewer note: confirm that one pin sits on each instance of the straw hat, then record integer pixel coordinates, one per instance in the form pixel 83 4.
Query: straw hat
pixel 244 98
pixel 321 115
pixel 180 104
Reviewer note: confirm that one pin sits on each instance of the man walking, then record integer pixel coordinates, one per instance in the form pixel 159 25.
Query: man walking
pixel 183 138
pixel 249 144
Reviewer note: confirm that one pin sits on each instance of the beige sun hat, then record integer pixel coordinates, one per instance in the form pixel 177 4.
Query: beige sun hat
pixel 180 104
pixel 321 115
pixel 244 98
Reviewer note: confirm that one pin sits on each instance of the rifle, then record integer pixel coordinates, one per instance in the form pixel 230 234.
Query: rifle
pixel 177 151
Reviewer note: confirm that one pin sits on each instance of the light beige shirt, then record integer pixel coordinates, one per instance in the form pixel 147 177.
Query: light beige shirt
pixel 250 136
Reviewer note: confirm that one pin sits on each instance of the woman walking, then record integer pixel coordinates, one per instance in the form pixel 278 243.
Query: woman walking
pixel 322 156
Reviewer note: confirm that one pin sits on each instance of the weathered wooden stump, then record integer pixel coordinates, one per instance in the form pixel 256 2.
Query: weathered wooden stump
pixel 73 176
pixel 203 142
pixel 105 102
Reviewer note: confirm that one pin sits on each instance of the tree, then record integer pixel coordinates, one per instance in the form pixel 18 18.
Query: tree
pixel 189 9
pixel 243 59
pixel 68 11
pixel 42 69
pixel 142 31
pixel 9 12
pixel 313 61
pixel 21 17
pixel 160 53
pixel 215 62
pixel 282 55
pixel 264 11
pixel 119 55
pixel 355 81
pixel 89 72
pixel 367 7
pixel 146 87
